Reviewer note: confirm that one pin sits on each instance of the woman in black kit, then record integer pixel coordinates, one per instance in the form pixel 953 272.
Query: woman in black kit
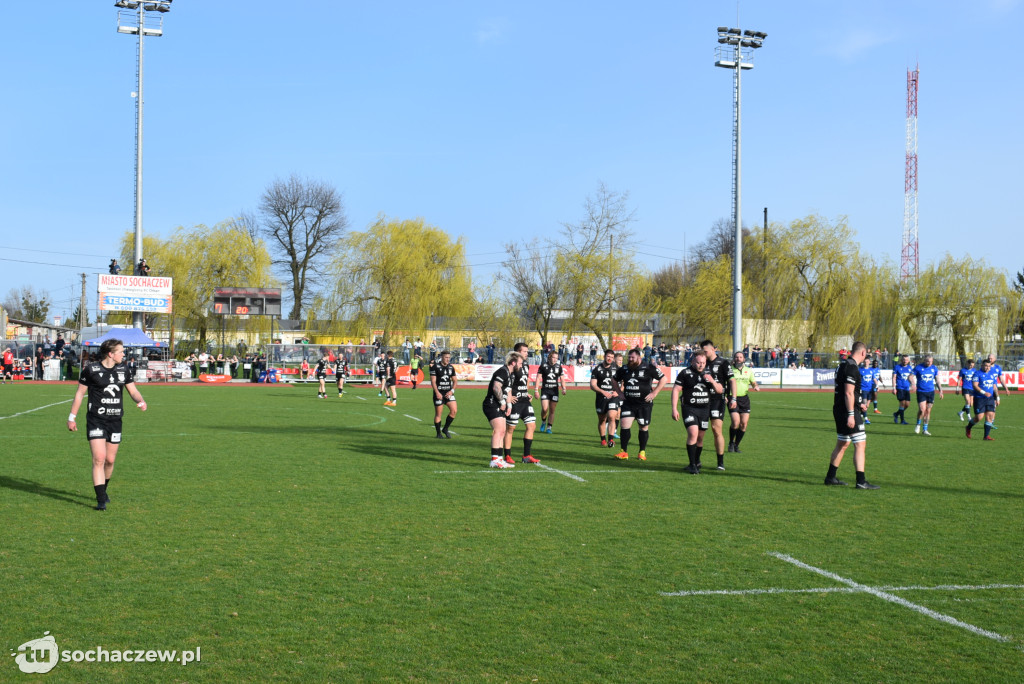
pixel 498 404
pixel 105 381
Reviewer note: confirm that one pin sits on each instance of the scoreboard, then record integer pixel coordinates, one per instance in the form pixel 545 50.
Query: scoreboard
pixel 246 301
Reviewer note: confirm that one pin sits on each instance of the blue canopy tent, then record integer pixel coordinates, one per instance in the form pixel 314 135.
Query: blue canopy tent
pixel 130 337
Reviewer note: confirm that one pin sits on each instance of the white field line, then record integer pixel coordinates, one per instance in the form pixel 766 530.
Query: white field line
pixel 839 590
pixel 360 398
pixel 15 415
pixel 413 417
pixel 389 408
pixel 546 471
pixel 561 472
pixel 885 596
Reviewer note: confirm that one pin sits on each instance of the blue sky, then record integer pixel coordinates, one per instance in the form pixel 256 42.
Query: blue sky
pixel 494 120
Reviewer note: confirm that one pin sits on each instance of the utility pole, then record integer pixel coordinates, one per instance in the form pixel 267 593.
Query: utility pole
pixel 81 308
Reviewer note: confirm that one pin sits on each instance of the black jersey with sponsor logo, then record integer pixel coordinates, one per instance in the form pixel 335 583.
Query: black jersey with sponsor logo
pixel 521 382
pixel 390 368
pixel 637 382
pixel 106 388
pixel 721 370
pixel 321 367
pixel 503 377
pixel 444 377
pixel 341 367
pixel 847 374
pixel 378 365
pixel 696 390
pixel 549 375
pixel 605 376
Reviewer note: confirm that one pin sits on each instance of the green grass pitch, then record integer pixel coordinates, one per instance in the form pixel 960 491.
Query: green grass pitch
pixel 298 539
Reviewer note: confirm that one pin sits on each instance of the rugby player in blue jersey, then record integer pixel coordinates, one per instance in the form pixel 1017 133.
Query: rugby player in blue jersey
pixel 902 378
pixel 985 381
pixel 879 382
pixel 999 378
pixel 965 386
pixel 926 375
pixel 868 373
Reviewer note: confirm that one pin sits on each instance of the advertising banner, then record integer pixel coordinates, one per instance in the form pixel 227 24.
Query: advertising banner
pixel 798 377
pixel 770 377
pixel 824 376
pixel 134 293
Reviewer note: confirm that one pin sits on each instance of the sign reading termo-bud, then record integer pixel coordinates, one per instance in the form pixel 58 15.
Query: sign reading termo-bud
pixel 134 293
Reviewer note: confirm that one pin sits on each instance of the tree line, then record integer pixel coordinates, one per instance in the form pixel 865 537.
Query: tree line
pixel 805 283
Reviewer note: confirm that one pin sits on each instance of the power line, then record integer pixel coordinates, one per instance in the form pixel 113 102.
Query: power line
pixel 45 263
pixel 44 251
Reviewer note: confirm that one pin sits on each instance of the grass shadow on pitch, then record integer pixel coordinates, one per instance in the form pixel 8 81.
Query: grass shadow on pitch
pixel 369 442
pixel 22 485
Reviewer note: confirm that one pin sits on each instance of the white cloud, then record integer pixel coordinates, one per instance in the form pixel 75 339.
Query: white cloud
pixel 491 30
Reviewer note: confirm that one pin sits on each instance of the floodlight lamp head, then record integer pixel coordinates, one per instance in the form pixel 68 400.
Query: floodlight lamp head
pixel 723 29
pixel 734 31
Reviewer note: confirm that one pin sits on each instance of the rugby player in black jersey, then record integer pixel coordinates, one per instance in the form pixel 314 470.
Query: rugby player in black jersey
pixel 378 370
pixel 340 372
pixel 695 384
pixel 390 379
pixel 848 411
pixel 550 378
pixel 721 370
pixel 321 376
pixel 498 405
pixel 636 381
pixel 522 410
pixel 606 401
pixel 442 382
pixel 105 382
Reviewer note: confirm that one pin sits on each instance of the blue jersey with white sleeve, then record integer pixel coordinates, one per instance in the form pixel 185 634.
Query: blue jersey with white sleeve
pixel 867 379
pixel 901 376
pixel 926 376
pixel 986 382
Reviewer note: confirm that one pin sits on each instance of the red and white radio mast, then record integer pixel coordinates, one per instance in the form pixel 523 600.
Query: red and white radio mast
pixel 909 252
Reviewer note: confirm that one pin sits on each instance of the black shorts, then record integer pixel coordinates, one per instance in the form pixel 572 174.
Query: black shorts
pixel 638 409
pixel 546 395
pixel 926 397
pixel 445 400
pixel 8 369
pixel 321 376
pixel 903 395
pixel 392 381
pixel 742 405
pixel 521 410
pixel 492 410
pixel 107 429
pixel 695 416
pixel 716 407
pixel 984 404
pixel 380 376
pixel 604 404
pixel 843 431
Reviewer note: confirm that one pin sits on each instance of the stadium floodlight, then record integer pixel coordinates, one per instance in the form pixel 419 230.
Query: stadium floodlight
pixel 736 57
pixel 132 18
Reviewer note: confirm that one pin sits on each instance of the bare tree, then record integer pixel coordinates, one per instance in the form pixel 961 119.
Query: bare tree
pixel 27 305
pixel 720 242
pixel 303 222
pixel 536 284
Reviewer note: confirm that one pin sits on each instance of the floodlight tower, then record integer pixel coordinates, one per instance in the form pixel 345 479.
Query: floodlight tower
pixel 734 48
pixel 909 251
pixel 132 18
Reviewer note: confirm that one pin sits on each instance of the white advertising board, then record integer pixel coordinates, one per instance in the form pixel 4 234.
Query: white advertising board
pixel 134 293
